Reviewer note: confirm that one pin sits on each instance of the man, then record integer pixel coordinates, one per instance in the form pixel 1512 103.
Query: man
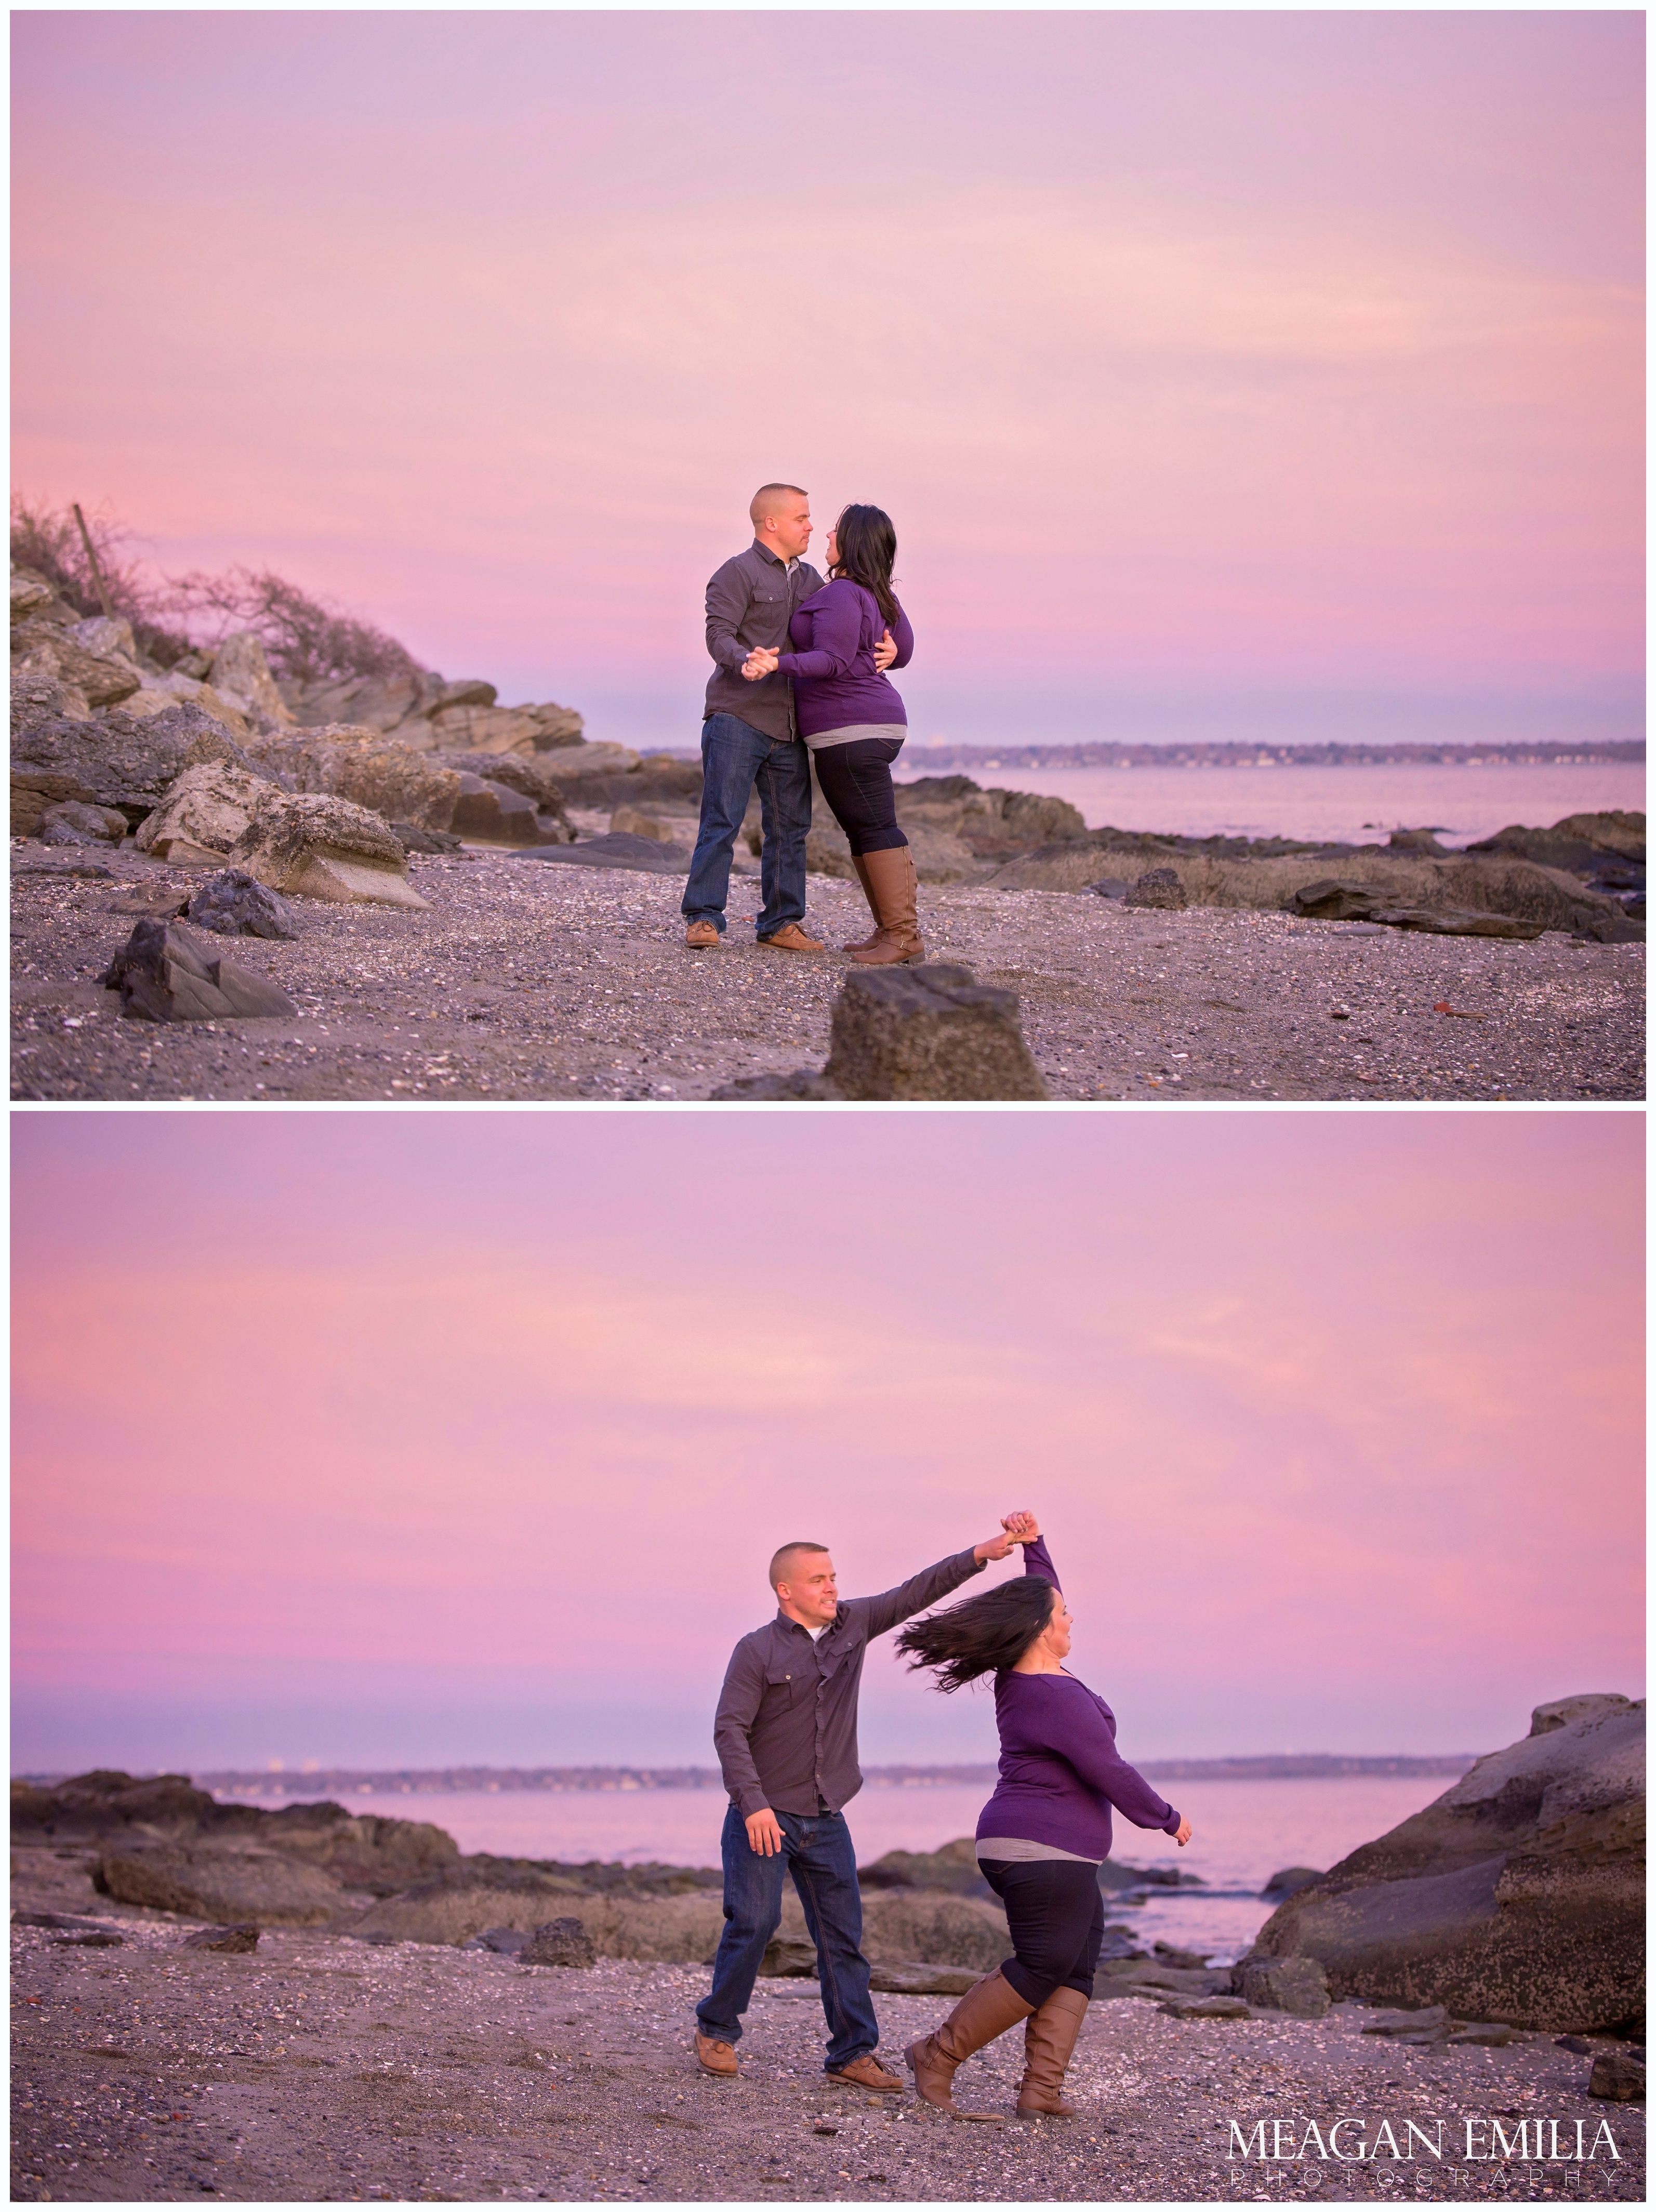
pixel 748 733
pixel 787 1736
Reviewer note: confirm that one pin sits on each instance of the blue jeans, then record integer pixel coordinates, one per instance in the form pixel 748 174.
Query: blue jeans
pixel 817 1852
pixel 734 757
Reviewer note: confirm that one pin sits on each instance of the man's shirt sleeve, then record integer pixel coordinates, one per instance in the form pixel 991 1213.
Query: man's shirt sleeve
pixel 918 1592
pixel 738 1709
pixel 728 597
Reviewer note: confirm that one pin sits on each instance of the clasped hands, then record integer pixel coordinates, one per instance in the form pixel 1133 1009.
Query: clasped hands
pixel 762 660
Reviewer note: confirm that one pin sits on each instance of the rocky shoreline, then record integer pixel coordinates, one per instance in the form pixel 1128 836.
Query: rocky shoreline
pixel 397 887
pixel 309 2004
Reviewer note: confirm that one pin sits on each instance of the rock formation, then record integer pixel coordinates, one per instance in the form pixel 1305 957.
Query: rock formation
pixel 312 846
pixel 928 1032
pixel 1518 1896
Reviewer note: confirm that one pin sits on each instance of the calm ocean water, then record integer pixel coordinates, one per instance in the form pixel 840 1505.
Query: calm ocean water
pixel 1244 1833
pixel 1347 806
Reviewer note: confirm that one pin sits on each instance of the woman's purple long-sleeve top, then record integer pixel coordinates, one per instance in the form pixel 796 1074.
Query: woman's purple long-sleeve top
pixel 836 685
pixel 1060 1772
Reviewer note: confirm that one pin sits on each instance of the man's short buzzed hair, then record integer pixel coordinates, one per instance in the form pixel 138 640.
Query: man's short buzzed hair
pixel 782 1564
pixel 766 501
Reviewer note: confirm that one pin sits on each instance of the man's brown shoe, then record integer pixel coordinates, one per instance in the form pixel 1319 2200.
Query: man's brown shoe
pixel 867 2072
pixel 702 937
pixel 792 938
pixel 714 2056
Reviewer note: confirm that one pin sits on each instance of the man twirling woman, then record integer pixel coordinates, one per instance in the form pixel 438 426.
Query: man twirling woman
pixel 853 719
pixel 1044 1834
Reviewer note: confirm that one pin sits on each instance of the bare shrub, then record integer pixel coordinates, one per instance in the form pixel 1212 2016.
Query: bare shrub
pixel 47 540
pixel 305 640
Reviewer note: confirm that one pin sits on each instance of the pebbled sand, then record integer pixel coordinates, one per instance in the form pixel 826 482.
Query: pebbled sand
pixel 535 980
pixel 320 2068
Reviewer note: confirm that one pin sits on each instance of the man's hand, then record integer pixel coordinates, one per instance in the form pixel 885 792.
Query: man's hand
pixel 885 653
pixel 762 662
pixel 993 1547
pixel 765 1834
pixel 1021 1527
pixel 1183 1835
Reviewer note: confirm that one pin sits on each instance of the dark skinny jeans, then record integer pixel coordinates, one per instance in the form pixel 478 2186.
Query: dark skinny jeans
pixel 1056 1916
pixel 856 782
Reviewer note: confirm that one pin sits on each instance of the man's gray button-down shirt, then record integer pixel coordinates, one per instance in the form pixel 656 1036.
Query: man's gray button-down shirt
pixel 786 1726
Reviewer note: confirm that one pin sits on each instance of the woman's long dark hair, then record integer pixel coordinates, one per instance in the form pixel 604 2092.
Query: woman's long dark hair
pixel 983 1636
pixel 866 539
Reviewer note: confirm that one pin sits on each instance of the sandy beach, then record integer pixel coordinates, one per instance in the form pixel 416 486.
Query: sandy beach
pixel 322 2067
pixel 527 980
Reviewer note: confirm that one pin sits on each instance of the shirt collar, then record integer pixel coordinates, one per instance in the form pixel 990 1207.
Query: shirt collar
pixel 775 559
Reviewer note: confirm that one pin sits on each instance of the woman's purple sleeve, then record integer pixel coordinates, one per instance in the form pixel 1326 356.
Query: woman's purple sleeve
pixel 1038 1560
pixel 903 636
pixel 1082 1735
pixel 836 629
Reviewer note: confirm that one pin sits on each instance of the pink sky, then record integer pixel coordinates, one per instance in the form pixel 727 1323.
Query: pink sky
pixel 1222 372
pixel 386 1438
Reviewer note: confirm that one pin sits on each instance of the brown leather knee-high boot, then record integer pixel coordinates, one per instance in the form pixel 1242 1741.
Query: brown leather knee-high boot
pixel 988 2010
pixel 895 888
pixel 1049 2039
pixel 866 944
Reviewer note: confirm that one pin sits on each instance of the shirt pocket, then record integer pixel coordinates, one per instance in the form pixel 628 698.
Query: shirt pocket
pixel 784 1686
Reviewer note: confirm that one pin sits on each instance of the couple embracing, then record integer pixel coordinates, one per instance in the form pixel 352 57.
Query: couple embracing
pixel 799 681
pixel 787 1737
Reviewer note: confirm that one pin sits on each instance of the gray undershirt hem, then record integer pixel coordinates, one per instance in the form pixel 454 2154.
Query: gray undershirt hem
pixel 854 730
pixel 1019 1847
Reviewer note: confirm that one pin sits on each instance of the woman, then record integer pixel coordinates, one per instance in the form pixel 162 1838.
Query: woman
pixel 854 721
pixel 1044 1834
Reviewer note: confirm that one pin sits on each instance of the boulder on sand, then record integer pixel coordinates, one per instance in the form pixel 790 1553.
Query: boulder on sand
pixel 561 1942
pixel 492 813
pixel 1296 1985
pixel 161 977
pixel 310 845
pixel 366 767
pixel 227 1886
pixel 1287 1882
pixel 205 809
pixel 240 1938
pixel 73 821
pixel 928 1032
pixel 120 761
pixel 232 903
pixel 1518 1896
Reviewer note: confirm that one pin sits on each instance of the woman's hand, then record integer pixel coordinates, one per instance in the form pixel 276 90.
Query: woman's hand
pixel 762 662
pixel 1183 1835
pixel 1021 1527
pixel 885 653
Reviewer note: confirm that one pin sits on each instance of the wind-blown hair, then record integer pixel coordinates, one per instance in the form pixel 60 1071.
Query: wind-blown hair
pixel 866 539
pixel 986 1634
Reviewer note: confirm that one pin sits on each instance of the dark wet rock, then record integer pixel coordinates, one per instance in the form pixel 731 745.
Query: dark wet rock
pixel 71 1920
pixel 1213 2008
pixel 953 1867
pixel 492 813
pixel 1415 841
pixel 73 821
pixel 618 848
pixel 561 1942
pixel 1289 1881
pixel 1516 1896
pixel 1417 2021
pixel 1576 2042
pixel 1455 921
pixel 926 1032
pixel 1170 1954
pixel 1580 843
pixel 412 839
pixel 1118 1942
pixel 1618 2075
pixel 1158 887
pixel 802 1083
pixel 233 903
pixel 241 1937
pixel 230 1886
pixel 161 977
pixel 1485 2034
pixel 1296 1985
pixel 913 1979
pixel 1330 899
pixel 507 1941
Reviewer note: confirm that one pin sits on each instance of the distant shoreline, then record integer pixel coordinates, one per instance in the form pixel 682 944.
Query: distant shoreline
pixel 1230 754
pixel 453 1780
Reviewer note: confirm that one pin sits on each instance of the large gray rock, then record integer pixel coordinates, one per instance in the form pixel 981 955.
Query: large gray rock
pixel 49 650
pixel 561 1942
pixel 309 845
pixel 370 770
pixel 1296 1985
pixel 73 822
pixel 1158 887
pixel 120 760
pixel 161 977
pixel 491 814
pixel 232 903
pixel 928 1032
pixel 229 1886
pixel 618 850
pixel 1517 1896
